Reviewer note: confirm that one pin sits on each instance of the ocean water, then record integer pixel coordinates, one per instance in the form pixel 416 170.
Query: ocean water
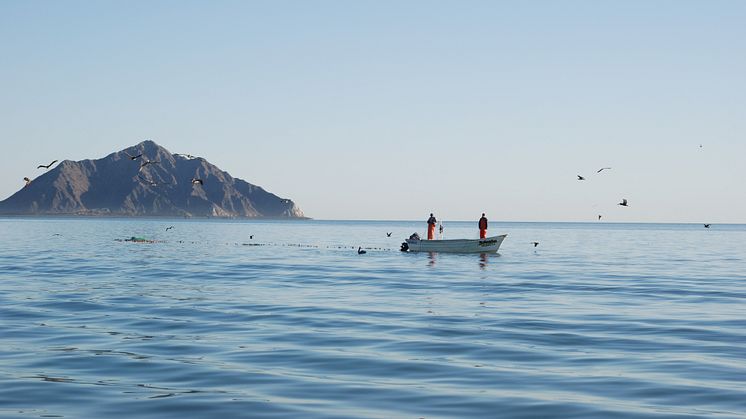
pixel 597 321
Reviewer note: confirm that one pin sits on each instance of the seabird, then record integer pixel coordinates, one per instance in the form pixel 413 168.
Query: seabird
pixel 360 251
pixel 251 237
pixel 602 169
pixel 133 157
pixel 28 181
pixel 599 216
pixel 581 177
pixel 535 243
pixel 623 203
pixel 195 180
pixel 47 166
pixel 285 201
pixel 187 156
pixel 147 162
pixel 707 226
pixel 169 228
pixel 388 234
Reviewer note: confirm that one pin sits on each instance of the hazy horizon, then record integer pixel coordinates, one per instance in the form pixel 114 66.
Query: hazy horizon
pixel 390 111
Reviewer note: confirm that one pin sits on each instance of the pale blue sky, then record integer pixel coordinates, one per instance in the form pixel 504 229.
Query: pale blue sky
pixel 395 109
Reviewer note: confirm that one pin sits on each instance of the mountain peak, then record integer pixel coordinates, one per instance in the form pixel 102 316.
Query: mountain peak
pixel 146 179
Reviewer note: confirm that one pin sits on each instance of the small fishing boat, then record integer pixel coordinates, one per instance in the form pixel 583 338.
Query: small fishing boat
pixel 486 245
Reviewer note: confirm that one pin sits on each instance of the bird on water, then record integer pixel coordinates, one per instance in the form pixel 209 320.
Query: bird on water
pixel 360 251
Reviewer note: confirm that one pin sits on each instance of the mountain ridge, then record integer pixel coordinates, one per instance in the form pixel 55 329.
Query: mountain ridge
pixel 145 180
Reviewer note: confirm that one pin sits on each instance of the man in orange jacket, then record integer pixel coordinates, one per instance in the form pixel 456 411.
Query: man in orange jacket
pixel 431 226
pixel 483 227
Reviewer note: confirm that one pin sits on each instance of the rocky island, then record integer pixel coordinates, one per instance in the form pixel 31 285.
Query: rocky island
pixel 145 180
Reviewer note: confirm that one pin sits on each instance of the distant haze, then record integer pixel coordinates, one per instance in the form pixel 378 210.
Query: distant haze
pixel 393 110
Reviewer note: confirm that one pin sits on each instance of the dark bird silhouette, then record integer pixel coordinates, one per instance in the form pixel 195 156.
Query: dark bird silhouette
pixel 581 177
pixel 251 237
pixel 47 166
pixel 147 162
pixel 169 228
pixel 602 169
pixel 284 201
pixel 623 203
pixel 28 181
pixel 535 243
pixel 599 216
pixel 388 234
pixel 133 157
pixel 195 181
pixel 707 226
pixel 360 251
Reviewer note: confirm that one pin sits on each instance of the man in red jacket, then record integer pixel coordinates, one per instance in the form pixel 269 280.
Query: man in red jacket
pixel 483 227
pixel 431 227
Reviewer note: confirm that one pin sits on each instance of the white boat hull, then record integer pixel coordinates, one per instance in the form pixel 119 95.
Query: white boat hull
pixel 487 245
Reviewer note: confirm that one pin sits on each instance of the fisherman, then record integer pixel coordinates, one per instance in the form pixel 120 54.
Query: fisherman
pixel 431 222
pixel 483 227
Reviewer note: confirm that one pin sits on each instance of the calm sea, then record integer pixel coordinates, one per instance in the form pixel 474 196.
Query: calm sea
pixel 597 321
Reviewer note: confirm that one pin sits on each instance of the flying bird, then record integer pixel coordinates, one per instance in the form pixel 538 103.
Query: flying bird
pixel 602 169
pixel 147 162
pixel 623 203
pixel 28 181
pixel 360 251
pixel 599 216
pixel 251 237
pixel 187 156
pixel 388 234
pixel 47 166
pixel 707 226
pixel 535 243
pixel 133 157
pixel 169 228
pixel 195 181
pixel 581 177
pixel 284 201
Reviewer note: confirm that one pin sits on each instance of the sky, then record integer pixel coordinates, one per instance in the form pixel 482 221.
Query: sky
pixel 391 110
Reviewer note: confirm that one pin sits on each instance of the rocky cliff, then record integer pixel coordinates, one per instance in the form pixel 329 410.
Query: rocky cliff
pixel 145 180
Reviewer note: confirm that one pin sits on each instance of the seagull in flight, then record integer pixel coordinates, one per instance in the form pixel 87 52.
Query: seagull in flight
pixel 147 162
pixel 133 157
pixel 195 181
pixel 602 169
pixel 187 156
pixel 707 226
pixel 47 166
pixel 388 234
pixel 28 181
pixel 535 243
pixel 623 203
pixel 169 228
pixel 599 217
pixel 581 177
